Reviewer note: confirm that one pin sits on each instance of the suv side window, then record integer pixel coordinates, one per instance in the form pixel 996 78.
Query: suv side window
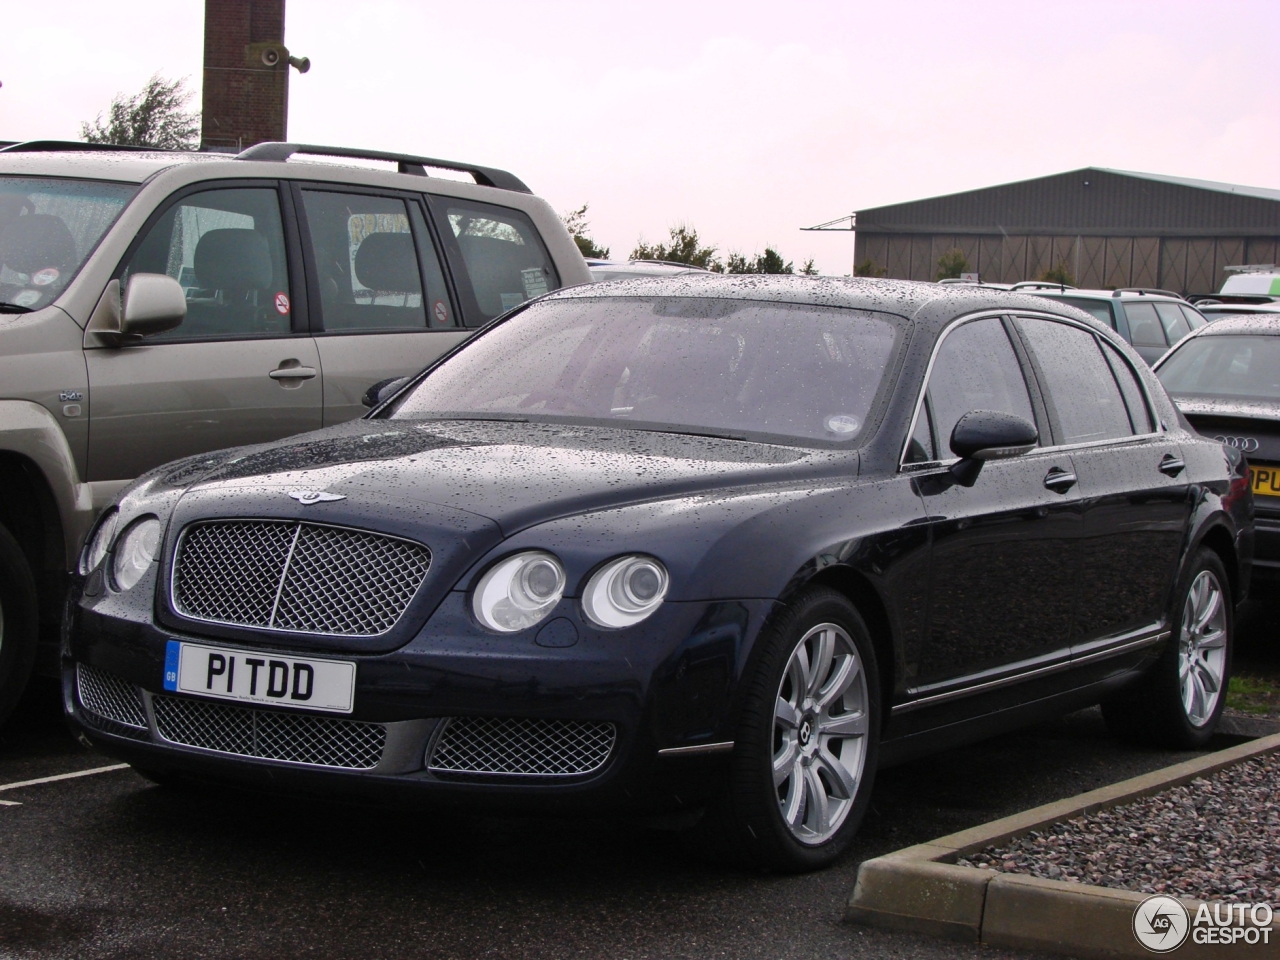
pixel 1084 400
pixel 371 255
pixel 505 260
pixel 1195 318
pixel 1139 413
pixel 975 369
pixel 1174 323
pixel 1145 329
pixel 226 248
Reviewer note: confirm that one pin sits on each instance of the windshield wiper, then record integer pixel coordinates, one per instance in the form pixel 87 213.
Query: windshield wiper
pixel 6 307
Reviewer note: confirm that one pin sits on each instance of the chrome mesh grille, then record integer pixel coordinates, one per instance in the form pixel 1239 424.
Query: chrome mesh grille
pixel 522 747
pixel 106 695
pixel 297 738
pixel 298 577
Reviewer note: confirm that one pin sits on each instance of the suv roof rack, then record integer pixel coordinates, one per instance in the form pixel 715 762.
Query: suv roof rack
pixel 1042 285
pixel 67 146
pixel 1144 291
pixel 278 152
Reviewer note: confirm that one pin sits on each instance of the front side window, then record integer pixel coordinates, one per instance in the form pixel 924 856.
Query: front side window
pixel 1241 366
pixel 503 254
pixel 371 254
pixel 975 369
pixel 1145 328
pixel 1084 400
pixel 681 364
pixel 48 228
pixel 226 249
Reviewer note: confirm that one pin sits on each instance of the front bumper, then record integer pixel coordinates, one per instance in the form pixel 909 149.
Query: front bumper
pixel 666 683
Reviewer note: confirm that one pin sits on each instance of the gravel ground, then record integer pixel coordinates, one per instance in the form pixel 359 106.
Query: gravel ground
pixel 1215 838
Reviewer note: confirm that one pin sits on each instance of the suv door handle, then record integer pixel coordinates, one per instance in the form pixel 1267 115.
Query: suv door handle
pixel 292 373
pixel 1059 480
pixel 1171 466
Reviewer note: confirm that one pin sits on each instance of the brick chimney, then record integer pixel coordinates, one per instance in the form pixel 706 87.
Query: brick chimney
pixel 246 74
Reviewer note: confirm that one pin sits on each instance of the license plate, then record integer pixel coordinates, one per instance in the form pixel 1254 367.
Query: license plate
pixel 1265 481
pixel 305 684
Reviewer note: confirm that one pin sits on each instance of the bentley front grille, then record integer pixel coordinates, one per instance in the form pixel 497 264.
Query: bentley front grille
pixel 296 576
pixel 522 747
pixel 293 737
pixel 107 696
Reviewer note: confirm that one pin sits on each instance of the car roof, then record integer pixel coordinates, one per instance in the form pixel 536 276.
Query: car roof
pixel 1266 324
pixel 121 166
pixel 1125 295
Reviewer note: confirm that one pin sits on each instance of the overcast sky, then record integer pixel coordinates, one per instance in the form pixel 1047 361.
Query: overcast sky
pixel 747 120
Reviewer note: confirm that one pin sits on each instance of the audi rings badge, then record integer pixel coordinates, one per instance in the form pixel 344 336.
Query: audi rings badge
pixel 1243 444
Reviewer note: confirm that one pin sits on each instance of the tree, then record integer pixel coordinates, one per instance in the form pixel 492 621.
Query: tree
pixel 868 268
pixel 575 221
pixel 1060 274
pixel 685 247
pixel 154 117
pixel 768 262
pixel 810 269
pixel 951 264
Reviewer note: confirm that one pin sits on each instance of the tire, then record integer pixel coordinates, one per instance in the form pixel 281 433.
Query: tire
pixel 1180 699
pixel 19 623
pixel 826 747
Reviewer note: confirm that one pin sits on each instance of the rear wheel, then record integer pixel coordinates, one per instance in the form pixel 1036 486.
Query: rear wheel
pixel 805 755
pixel 1179 701
pixel 19 623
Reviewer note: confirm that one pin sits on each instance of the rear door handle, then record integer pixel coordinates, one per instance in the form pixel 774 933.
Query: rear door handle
pixel 1171 466
pixel 1059 480
pixel 292 373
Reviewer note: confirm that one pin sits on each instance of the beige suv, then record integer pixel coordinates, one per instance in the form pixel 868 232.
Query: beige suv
pixel 156 305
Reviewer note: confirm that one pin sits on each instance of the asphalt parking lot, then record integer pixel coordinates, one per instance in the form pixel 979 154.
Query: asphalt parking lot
pixel 109 865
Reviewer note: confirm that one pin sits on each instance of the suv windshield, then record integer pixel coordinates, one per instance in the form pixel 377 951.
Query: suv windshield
pixel 47 229
pixel 723 367
pixel 1245 367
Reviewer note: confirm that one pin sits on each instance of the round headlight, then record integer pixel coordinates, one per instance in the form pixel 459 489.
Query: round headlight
pixel 625 591
pixel 99 543
pixel 137 549
pixel 519 592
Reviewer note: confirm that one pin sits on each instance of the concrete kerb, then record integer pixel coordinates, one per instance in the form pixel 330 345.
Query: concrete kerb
pixel 921 889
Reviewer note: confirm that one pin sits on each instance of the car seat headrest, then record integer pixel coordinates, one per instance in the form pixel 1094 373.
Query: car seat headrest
pixel 233 260
pixel 386 262
pixel 35 242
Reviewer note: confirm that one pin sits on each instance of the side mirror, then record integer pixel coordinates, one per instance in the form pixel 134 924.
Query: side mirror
pixel 153 303
pixel 382 390
pixel 982 435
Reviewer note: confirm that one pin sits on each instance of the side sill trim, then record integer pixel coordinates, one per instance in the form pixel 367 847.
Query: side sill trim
pixel 1126 647
pixel 698 749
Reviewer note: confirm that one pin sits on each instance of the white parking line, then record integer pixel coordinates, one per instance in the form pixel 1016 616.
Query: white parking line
pixel 9 803
pixel 61 776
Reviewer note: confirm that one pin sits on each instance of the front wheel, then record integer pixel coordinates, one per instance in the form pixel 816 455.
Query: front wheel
pixel 1178 703
pixel 805 755
pixel 19 623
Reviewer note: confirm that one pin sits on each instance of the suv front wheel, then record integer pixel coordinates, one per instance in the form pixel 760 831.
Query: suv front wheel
pixel 19 623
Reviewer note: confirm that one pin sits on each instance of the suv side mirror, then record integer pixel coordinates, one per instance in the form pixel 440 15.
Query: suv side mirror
pixel 153 303
pixel 982 435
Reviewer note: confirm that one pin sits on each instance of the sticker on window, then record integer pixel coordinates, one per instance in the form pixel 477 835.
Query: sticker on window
pixel 42 278
pixel 510 300
pixel 535 282
pixel 282 304
pixel 441 311
pixel 28 298
pixel 845 424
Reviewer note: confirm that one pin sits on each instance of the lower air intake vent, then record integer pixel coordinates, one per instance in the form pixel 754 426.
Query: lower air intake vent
pixel 294 737
pixel 106 695
pixel 522 747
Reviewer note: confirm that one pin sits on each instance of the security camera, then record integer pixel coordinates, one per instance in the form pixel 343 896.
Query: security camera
pixel 270 56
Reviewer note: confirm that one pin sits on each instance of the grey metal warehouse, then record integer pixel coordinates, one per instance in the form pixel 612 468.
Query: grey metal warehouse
pixel 1109 228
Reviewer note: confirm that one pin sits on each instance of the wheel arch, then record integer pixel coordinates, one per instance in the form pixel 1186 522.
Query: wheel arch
pixel 29 511
pixel 1218 538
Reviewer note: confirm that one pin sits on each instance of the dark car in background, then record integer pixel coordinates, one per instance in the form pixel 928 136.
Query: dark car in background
pixel 678 544
pixel 1226 381
pixel 1150 320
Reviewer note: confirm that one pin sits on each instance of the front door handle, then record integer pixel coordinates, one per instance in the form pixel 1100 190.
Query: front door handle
pixel 1171 466
pixel 1059 480
pixel 292 370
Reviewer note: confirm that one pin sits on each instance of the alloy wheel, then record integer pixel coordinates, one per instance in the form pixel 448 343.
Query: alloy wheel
pixel 1202 648
pixel 820 728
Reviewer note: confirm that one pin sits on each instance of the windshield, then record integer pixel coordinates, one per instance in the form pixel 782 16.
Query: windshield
pixel 1238 366
pixel 47 230
pixel 724 367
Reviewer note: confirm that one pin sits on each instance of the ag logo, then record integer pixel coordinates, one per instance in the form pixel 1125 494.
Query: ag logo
pixel 1161 924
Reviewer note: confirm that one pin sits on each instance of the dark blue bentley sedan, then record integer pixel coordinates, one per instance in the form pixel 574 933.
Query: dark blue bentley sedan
pixel 679 545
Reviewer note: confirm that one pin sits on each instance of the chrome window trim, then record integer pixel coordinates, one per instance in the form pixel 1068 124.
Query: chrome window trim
pixel 1161 430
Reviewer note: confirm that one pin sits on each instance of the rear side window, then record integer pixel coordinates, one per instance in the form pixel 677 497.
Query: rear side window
pixel 1084 400
pixel 1145 329
pixel 1099 309
pixel 226 249
pixel 1195 318
pixel 506 263
pixel 1174 323
pixel 1134 399
pixel 975 369
pixel 371 255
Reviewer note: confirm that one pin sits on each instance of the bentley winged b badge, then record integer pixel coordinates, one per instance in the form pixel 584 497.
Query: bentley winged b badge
pixel 308 497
